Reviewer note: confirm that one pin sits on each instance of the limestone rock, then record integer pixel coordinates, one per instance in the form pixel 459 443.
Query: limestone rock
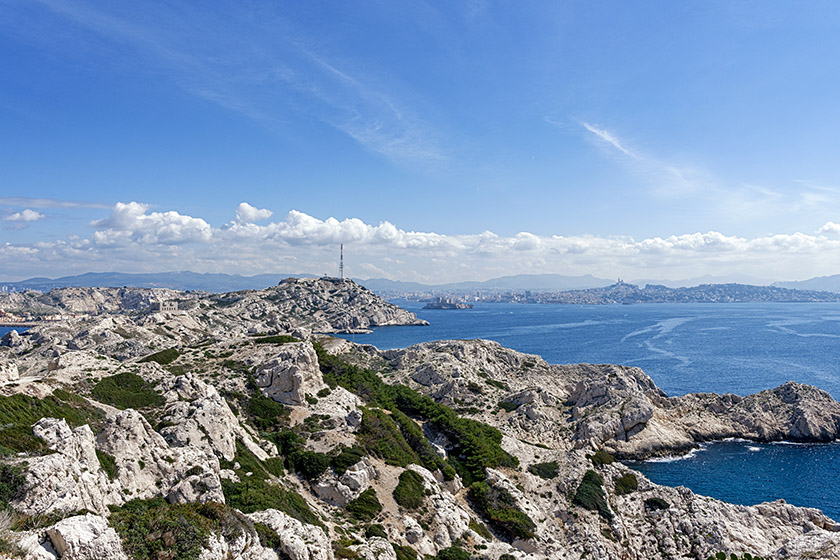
pixel 9 372
pixel 300 541
pixel 70 479
pixel 148 467
pixel 86 537
pixel 347 487
pixel 292 374
pixel 376 548
pixel 201 418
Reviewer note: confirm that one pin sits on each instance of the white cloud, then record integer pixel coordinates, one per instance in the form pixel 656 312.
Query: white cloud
pixel 247 214
pixel 25 216
pixel 133 238
pixel 609 138
pixel 132 223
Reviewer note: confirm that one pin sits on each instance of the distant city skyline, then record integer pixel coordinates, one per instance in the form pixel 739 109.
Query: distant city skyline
pixel 437 141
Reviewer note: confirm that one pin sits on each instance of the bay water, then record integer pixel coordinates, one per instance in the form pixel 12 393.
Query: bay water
pixel 735 348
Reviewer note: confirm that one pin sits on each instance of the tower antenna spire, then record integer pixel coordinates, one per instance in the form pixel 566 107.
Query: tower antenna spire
pixel 341 264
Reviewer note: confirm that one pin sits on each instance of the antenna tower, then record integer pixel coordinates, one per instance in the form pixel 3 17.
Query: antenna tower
pixel 341 264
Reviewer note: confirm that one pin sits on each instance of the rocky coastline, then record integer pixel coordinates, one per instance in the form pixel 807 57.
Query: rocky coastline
pixel 227 429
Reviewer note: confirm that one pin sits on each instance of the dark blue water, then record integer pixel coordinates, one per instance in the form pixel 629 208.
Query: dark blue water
pixel 4 330
pixel 737 348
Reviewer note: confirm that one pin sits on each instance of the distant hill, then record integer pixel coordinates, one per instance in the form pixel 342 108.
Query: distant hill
pixel 706 279
pixel 519 282
pixel 822 283
pixel 185 281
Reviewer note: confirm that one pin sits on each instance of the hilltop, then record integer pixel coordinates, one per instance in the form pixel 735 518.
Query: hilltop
pixel 227 429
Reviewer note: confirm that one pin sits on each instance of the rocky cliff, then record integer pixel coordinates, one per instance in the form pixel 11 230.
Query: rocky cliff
pixel 180 435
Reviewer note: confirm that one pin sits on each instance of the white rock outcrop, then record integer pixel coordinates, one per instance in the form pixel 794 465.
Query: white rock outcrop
pixel 300 541
pixel 70 479
pixel 147 466
pixel 339 490
pixel 292 375
pixel 86 537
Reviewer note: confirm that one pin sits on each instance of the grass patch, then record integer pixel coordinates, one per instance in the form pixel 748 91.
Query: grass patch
pixel 500 509
pixel 547 470
pixel 410 490
pixel 19 412
pixel 590 494
pixel 454 552
pixel 365 507
pixel 152 529
pixel 626 484
pixel 163 357
pixel 127 390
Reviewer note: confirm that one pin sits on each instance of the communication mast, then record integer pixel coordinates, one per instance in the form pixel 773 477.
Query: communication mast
pixel 341 264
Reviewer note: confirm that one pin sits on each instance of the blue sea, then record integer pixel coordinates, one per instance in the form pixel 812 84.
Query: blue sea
pixel 736 348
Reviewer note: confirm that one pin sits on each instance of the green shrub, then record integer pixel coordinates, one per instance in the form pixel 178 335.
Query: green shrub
pixel 601 457
pixel 127 390
pixel 507 406
pixel 255 494
pixel 276 339
pixel 405 552
pixel 656 503
pixel 108 464
pixel 163 357
pixel 325 392
pixel 479 528
pixel 410 490
pixel 12 481
pixel 453 553
pixel 500 509
pixel 268 536
pixel 547 470
pixel 365 507
pixel 152 528
pixel 265 413
pixel 507 557
pixel 590 494
pixel 382 438
pixel 626 484
pixel 310 464
pixel 475 444
pixel 375 530
pixel 346 458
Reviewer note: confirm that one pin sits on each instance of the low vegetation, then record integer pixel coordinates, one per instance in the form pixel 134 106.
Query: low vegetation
pixel 163 357
pixel 365 507
pixel 153 529
pixel 590 494
pixel 108 464
pixel 127 390
pixel 276 339
pixel 476 445
pixel 626 484
pixel 547 470
pixel 500 509
pixel 601 457
pixel 656 503
pixel 410 490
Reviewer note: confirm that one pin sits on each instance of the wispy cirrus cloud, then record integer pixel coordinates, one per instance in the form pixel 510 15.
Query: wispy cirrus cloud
pixel 609 138
pixel 263 68
pixel 24 201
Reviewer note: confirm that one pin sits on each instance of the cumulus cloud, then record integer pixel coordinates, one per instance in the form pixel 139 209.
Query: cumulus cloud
pixel 133 223
pixel 247 214
pixel 135 238
pixel 25 216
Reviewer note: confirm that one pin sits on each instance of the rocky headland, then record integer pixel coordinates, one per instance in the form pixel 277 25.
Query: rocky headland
pixel 226 429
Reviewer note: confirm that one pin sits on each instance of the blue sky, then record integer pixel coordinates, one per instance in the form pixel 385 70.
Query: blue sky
pixel 438 140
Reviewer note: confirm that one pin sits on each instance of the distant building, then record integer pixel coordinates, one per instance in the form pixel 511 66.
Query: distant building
pixel 165 306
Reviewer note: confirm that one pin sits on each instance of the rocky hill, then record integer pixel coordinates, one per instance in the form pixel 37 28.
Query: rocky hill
pixel 228 430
